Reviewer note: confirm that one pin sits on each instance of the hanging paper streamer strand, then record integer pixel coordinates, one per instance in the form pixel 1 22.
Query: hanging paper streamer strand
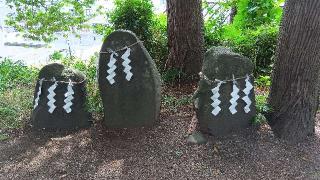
pixel 215 98
pixel 36 101
pixel 126 65
pixel 112 68
pixel 234 98
pixel 68 98
pixel 50 97
pixel 246 98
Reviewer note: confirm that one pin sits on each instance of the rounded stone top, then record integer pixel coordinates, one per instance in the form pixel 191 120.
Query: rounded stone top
pixel 119 39
pixel 61 73
pixel 222 63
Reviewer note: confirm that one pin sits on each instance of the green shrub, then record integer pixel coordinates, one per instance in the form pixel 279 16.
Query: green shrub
pixel 13 74
pixel 16 93
pixel 15 106
pixel 214 21
pixel 253 32
pixel 263 81
pixel 255 13
pixel 259 45
pixel 171 75
pixel 262 108
pixel 136 16
pixel 159 44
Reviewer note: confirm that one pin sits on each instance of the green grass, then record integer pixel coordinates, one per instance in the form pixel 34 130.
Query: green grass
pixel 16 93
pixel 4 137
pixel 173 103
pixel 15 107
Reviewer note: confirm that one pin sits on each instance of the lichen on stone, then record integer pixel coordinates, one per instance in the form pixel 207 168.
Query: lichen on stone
pixel 61 73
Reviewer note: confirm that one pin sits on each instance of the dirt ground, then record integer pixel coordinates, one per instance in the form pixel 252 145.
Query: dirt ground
pixel 158 153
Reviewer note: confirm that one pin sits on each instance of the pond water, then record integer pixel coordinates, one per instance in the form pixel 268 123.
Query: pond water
pixel 15 47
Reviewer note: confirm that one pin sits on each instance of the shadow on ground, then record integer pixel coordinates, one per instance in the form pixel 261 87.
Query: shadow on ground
pixel 158 153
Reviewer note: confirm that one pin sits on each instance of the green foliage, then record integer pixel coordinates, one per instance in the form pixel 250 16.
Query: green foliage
pixel 136 16
pixel 253 33
pixel 102 29
pixel 172 103
pixel 159 44
pixel 254 13
pixel 39 19
pixel 13 74
pixel 15 106
pixel 259 45
pixel 56 55
pixel 263 81
pixel 171 75
pixel 3 137
pixel 261 103
pixel 215 20
pixel 262 108
pixel 16 93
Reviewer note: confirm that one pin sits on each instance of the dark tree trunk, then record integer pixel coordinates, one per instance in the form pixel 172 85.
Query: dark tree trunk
pixel 233 13
pixel 185 35
pixel 294 92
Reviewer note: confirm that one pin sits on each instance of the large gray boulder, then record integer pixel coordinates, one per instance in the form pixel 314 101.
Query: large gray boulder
pixel 223 64
pixel 131 96
pixel 60 118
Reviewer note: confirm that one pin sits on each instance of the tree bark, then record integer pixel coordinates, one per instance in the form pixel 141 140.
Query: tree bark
pixel 233 13
pixel 185 36
pixel 294 91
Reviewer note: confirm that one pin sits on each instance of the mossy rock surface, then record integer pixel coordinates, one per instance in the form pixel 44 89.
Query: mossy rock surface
pixel 134 102
pixel 79 117
pixel 61 73
pixel 223 64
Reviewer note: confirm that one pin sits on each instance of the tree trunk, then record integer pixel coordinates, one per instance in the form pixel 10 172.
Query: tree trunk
pixel 294 91
pixel 233 13
pixel 185 36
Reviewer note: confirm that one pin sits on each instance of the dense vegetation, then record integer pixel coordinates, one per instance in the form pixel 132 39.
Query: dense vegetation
pixel 253 33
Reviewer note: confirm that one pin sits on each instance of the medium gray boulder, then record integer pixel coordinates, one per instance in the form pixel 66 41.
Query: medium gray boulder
pixel 61 117
pixel 222 64
pixel 129 82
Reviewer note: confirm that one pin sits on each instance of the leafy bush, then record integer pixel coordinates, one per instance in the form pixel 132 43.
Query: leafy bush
pixel 15 106
pixel 263 81
pixel 254 13
pixel 214 21
pixel 13 74
pixel 171 75
pixel 136 16
pixel 262 108
pixel 16 93
pixel 253 32
pixel 259 45
pixel 159 44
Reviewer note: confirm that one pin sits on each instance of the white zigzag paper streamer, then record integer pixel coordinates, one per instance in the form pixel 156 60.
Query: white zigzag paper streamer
pixel 50 97
pixel 36 101
pixel 68 98
pixel 112 68
pixel 125 64
pixel 234 98
pixel 246 98
pixel 215 98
